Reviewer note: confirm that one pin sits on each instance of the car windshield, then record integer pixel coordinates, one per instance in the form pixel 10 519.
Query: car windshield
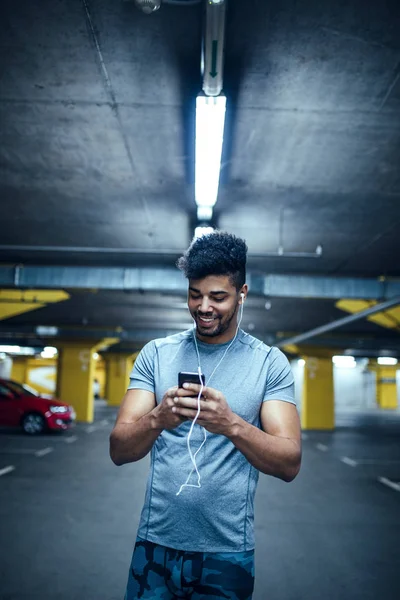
pixel 18 388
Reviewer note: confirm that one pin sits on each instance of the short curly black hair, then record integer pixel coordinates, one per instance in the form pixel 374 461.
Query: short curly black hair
pixel 217 253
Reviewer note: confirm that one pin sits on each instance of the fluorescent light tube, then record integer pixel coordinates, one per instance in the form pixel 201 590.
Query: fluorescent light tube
pixel 200 231
pixel 344 362
pixel 387 360
pixel 210 120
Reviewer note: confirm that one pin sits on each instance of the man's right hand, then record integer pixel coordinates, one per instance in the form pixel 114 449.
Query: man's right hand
pixel 165 418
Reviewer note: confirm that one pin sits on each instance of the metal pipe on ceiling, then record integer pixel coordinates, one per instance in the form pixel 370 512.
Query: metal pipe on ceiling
pixel 212 60
pixel 142 251
pixel 340 322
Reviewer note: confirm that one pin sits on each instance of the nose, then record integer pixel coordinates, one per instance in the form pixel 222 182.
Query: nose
pixel 205 305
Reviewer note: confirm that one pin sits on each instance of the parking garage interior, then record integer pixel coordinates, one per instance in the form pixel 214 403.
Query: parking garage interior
pixel 105 182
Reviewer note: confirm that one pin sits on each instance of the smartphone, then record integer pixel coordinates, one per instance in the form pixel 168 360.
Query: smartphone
pixel 189 378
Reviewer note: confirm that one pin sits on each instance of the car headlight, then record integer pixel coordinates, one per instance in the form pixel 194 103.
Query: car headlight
pixel 58 409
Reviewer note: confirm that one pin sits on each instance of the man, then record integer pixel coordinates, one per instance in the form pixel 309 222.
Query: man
pixel 196 540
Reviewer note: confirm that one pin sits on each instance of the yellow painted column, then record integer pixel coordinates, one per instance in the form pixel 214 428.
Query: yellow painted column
pixel 19 369
pixel 118 368
pixel 386 387
pixel 75 377
pixel 318 404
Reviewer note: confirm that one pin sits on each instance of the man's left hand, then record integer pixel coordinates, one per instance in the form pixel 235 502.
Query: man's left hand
pixel 215 414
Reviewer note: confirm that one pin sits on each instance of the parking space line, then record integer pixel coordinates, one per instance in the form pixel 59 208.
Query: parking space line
pixel 70 439
pixel 389 483
pixel 104 422
pixel 349 461
pixel 321 447
pixel 7 470
pixel 91 428
pixel 44 451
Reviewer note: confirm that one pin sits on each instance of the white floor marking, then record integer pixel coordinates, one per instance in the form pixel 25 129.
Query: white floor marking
pixel 304 436
pixel 44 451
pixel 389 483
pixel 91 428
pixel 349 461
pixel 6 470
pixel 321 447
pixel 104 422
pixel 70 439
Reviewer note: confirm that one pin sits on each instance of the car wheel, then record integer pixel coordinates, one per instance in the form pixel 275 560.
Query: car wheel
pixel 33 424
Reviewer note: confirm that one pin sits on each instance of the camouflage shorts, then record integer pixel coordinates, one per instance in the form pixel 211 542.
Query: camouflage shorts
pixel 163 573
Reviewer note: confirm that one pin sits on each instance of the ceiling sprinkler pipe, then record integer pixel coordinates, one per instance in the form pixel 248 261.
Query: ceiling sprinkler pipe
pixel 363 314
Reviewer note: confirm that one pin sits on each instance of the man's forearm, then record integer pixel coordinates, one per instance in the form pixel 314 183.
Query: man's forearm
pixel 130 442
pixel 269 454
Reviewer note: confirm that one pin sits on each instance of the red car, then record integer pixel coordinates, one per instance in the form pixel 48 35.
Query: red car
pixel 20 405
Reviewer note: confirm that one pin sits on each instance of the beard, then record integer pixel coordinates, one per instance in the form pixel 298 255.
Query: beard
pixel 220 328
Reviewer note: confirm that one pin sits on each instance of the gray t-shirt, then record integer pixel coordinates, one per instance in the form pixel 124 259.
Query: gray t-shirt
pixel 218 516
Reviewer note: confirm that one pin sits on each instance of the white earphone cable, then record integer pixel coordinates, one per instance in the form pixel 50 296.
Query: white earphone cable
pixel 193 456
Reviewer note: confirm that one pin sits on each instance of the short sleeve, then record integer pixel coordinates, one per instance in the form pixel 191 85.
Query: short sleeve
pixel 280 381
pixel 142 374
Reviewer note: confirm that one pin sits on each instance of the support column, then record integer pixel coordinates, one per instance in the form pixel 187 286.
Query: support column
pixel 19 369
pixel 318 404
pixel 386 387
pixel 75 375
pixel 118 368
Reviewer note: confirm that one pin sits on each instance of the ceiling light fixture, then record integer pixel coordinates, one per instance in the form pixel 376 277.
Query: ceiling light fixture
pixel 201 230
pixel 49 352
pixel 344 362
pixel 210 121
pixel 387 360
pixel 148 6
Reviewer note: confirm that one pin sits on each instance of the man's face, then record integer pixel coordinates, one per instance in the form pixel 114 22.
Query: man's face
pixel 213 303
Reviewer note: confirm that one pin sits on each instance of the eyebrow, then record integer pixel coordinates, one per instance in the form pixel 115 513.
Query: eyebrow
pixel 213 293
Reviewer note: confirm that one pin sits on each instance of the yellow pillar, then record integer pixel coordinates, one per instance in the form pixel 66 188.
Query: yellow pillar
pixel 75 373
pixel 19 369
pixel 318 405
pixel 386 387
pixel 118 368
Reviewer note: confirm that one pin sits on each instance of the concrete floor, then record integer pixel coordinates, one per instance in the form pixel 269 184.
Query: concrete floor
pixel 68 517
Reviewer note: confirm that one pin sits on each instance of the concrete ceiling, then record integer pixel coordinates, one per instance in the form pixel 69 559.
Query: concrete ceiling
pixel 97 150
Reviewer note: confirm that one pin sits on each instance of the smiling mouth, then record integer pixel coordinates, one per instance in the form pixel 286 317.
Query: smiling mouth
pixel 206 320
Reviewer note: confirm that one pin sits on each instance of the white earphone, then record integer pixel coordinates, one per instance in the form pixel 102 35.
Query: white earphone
pixel 191 454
